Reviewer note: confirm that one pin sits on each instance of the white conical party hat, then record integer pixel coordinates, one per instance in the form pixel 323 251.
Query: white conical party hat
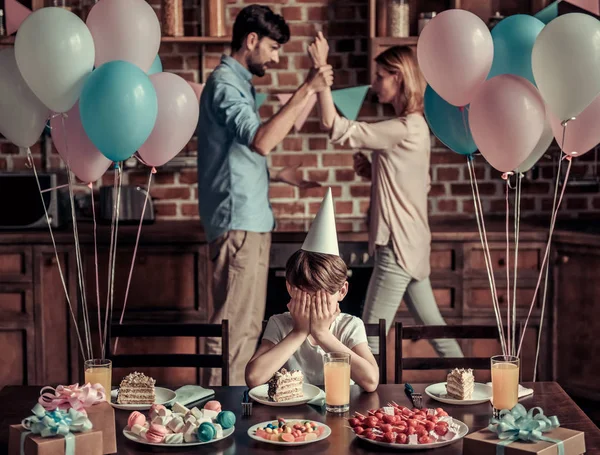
pixel 322 235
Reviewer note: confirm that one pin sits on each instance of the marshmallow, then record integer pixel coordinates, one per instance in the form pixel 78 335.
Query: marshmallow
pixel 433 435
pixel 143 432
pixel 137 429
pixel 450 435
pixel 176 424
pixel 430 412
pixel 163 412
pixel 161 420
pixel 175 438
pixel 446 419
pixel 190 435
pixel 189 426
pixel 210 414
pixel 389 410
pixel 413 439
pixel 190 419
pixel 180 409
pixel 202 420
pixel 196 413
pixel 219 429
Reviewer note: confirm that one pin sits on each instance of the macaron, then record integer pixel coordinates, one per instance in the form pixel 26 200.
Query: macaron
pixel 207 432
pixel 226 419
pixel 156 433
pixel 213 406
pixel 136 418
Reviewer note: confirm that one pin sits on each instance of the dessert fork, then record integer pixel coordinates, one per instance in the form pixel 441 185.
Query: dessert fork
pixel 246 404
pixel 415 398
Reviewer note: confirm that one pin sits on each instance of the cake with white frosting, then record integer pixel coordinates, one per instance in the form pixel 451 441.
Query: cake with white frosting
pixel 286 385
pixel 136 388
pixel 460 384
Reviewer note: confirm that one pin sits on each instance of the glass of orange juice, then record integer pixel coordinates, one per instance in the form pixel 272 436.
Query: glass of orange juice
pixel 505 382
pixel 99 371
pixel 336 367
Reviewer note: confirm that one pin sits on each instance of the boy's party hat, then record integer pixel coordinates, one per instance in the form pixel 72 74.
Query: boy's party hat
pixel 322 235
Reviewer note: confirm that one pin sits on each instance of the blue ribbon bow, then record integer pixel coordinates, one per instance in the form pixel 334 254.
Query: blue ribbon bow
pixel 523 425
pixel 52 423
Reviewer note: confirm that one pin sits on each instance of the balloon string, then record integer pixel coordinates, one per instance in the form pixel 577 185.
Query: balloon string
pixel 545 260
pixel 118 211
pixel 516 267
pixel 508 321
pixel 137 240
pixel 91 187
pixel 79 261
pixel 60 272
pixel 55 188
pixel 483 237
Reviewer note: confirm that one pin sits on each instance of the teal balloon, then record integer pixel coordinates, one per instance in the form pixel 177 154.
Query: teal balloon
pixel 448 123
pixel 118 107
pixel 514 38
pixel 156 66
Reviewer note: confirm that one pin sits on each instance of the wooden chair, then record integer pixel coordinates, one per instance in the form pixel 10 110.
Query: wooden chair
pixel 373 330
pixel 157 329
pixel 429 332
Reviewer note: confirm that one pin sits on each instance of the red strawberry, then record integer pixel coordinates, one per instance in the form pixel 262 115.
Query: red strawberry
pixel 353 422
pixel 401 438
pixel 429 425
pixel 371 422
pixel 379 415
pixel 424 439
pixel 386 427
pixel 359 430
pixel 441 429
pixel 389 437
pixel 388 418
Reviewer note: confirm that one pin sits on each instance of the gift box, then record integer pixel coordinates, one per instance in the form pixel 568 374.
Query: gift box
pixel 84 443
pixel 485 442
pixel 102 416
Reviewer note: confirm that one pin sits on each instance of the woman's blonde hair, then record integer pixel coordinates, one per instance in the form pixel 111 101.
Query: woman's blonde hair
pixel 400 59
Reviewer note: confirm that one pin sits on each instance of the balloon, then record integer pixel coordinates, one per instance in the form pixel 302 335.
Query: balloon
pixel 582 134
pixel 156 66
pixel 455 53
pixel 22 115
pixel 507 119
pixel 514 38
pixel 125 30
pixel 197 89
pixel 55 54
pixel 541 147
pixel 566 63
pixel 449 123
pixel 177 119
pixel 84 159
pixel 118 109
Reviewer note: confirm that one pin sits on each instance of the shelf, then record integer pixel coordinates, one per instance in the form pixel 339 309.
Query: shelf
pixel 197 39
pixel 395 41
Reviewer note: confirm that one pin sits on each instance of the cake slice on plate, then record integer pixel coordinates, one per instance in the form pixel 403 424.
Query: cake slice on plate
pixel 136 388
pixel 460 384
pixel 286 385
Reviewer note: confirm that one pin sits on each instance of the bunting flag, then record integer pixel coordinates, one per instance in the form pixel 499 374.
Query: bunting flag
pixel 593 6
pixel 260 99
pixel 15 15
pixel 349 100
pixel 550 12
pixel 285 97
pixel 197 89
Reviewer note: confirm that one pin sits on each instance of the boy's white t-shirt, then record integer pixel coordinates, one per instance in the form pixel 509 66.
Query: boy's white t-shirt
pixel 350 330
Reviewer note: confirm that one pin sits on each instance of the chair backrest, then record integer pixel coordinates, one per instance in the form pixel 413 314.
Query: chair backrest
pixel 157 329
pixel 429 332
pixel 373 330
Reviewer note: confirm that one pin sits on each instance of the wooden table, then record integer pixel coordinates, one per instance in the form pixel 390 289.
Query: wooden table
pixel 17 401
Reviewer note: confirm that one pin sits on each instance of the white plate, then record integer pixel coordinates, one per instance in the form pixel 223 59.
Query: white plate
pixel 134 437
pixel 481 394
pixel 163 396
pixel 463 430
pixel 252 429
pixel 260 394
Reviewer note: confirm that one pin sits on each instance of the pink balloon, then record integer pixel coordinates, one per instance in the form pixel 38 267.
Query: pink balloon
pixel 84 159
pixel 507 119
pixel 582 134
pixel 455 52
pixel 197 89
pixel 126 30
pixel 178 112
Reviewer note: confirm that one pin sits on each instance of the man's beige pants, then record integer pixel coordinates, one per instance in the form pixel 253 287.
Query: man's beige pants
pixel 240 261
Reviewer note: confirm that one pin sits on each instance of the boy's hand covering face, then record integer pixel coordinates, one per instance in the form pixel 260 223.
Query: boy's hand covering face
pixel 323 311
pixel 299 308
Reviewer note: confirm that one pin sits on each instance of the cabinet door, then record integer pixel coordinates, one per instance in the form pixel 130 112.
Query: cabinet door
pixel 576 326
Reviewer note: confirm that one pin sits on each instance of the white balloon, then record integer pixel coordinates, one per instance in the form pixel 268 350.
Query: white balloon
pixel 55 54
pixel 566 63
pixel 540 148
pixel 22 115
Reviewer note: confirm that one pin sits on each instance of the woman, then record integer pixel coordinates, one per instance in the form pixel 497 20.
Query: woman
pixel 399 233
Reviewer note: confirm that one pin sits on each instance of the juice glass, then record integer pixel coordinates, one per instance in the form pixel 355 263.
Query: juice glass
pixel 99 371
pixel 336 366
pixel 505 382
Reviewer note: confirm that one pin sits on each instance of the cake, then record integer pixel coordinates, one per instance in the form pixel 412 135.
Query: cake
pixel 460 384
pixel 286 385
pixel 136 388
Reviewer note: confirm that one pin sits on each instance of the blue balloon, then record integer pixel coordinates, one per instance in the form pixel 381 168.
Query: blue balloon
pixel 156 66
pixel 514 38
pixel 118 107
pixel 449 123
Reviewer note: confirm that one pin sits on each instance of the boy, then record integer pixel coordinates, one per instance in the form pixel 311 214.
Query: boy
pixel 314 326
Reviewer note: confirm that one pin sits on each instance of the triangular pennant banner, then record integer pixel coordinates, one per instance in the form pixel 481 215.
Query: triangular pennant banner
pixel 549 13
pixel 15 15
pixel 285 97
pixel 349 100
pixel 260 99
pixel 197 89
pixel 593 6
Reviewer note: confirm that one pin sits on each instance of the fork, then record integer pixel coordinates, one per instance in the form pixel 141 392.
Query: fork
pixel 246 404
pixel 415 398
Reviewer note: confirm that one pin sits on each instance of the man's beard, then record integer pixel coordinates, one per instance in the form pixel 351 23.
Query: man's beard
pixel 258 69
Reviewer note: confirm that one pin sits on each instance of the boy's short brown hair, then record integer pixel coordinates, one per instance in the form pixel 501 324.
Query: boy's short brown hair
pixel 315 271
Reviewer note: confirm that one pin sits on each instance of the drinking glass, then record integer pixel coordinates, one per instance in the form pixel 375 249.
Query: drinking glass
pixel 336 367
pixel 505 382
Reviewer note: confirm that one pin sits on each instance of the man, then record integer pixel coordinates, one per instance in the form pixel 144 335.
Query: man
pixel 233 178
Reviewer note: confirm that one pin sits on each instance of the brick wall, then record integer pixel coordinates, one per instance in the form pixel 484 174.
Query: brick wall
pixel 345 23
